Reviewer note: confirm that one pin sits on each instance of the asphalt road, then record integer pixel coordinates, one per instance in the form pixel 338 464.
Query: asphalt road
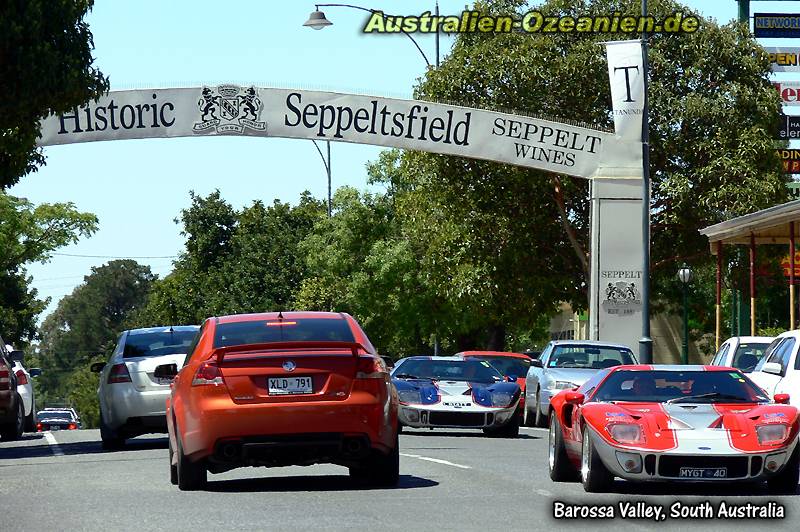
pixel 454 480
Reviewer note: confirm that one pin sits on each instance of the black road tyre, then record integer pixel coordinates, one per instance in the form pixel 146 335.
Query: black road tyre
pixel 13 431
pixel 541 419
pixel 173 469
pixel 594 475
pixel 786 481
pixel 379 469
pixel 192 476
pixel 561 469
pixel 509 430
pixel 110 440
pixel 526 416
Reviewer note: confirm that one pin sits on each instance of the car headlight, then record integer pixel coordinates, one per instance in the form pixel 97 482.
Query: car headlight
pixel 626 433
pixel 502 399
pixel 771 434
pixel 409 396
pixel 561 385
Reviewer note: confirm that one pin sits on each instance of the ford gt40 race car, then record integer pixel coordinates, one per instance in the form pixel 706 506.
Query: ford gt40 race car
pixel 673 423
pixel 452 392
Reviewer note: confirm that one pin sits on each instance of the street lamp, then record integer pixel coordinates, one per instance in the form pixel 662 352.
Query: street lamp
pixel 327 164
pixel 685 277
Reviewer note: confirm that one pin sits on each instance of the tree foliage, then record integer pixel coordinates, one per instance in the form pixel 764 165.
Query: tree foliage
pixel 45 67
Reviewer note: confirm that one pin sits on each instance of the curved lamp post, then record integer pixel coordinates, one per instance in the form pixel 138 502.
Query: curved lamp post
pixel 685 275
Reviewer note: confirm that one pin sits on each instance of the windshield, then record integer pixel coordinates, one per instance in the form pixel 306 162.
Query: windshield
pixel 589 357
pixel 54 414
pixel 289 330
pixel 747 356
pixel 508 366
pixel 157 343
pixel 448 370
pixel 679 386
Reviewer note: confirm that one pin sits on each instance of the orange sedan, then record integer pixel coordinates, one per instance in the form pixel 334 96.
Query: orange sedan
pixel 281 389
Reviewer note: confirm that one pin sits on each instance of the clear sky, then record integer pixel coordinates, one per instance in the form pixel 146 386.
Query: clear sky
pixel 138 187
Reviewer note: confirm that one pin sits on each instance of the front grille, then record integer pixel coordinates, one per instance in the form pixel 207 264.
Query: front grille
pixel 670 465
pixel 650 464
pixel 755 465
pixel 457 419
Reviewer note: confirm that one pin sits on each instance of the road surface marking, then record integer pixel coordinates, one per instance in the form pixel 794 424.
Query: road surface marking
pixel 436 460
pixel 51 440
pixel 544 493
pixel 535 428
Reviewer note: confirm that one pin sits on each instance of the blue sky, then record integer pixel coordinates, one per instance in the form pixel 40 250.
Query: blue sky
pixel 137 188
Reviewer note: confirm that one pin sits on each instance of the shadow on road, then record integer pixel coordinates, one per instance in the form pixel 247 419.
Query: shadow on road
pixel 75 448
pixel 477 434
pixel 708 490
pixel 310 483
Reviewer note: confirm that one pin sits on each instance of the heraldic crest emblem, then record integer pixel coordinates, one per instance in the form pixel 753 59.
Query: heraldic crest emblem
pixel 229 109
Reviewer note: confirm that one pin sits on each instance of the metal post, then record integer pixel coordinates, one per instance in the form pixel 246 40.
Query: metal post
pixel 791 276
pixel 718 306
pixel 752 284
pixel 437 33
pixel 744 11
pixel 645 343
pixel 328 168
pixel 685 354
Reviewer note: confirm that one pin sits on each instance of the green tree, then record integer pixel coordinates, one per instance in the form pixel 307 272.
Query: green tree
pixel 29 234
pixel 45 67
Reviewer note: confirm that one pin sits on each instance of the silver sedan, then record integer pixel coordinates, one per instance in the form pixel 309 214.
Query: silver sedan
pixel 567 364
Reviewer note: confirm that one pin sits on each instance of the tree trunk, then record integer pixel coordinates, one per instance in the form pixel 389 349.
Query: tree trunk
pixel 497 337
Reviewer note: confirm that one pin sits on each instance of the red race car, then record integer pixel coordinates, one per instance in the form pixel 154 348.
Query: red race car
pixel 280 389
pixel 673 423
pixel 509 365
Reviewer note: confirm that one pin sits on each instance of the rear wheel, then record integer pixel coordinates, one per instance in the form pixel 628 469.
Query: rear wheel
pixel 594 475
pixel 30 419
pixel 541 419
pixel 111 441
pixel 786 481
pixel 379 469
pixel 561 469
pixel 13 430
pixel 191 475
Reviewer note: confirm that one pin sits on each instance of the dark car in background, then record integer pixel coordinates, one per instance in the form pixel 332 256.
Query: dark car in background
pixel 52 419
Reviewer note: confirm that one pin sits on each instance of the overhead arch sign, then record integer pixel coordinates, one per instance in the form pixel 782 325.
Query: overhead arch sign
pixel 409 124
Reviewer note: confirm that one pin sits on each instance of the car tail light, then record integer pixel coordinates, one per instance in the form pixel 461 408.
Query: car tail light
pixel 119 373
pixel 72 426
pixel 5 377
pixel 208 373
pixel 38 427
pixel 21 378
pixel 370 368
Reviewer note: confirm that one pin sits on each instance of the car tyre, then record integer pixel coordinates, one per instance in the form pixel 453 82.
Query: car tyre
pixel 30 419
pixel 13 431
pixel 786 481
pixel 173 469
pixel 541 419
pixel 192 476
pixel 379 469
pixel 595 477
pixel 509 430
pixel 110 440
pixel 561 469
pixel 526 416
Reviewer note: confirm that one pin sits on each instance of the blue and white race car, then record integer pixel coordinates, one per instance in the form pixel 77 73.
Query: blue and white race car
pixel 452 392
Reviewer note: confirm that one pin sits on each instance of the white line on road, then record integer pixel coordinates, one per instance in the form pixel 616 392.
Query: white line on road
pixel 544 493
pixel 436 460
pixel 51 440
pixel 535 428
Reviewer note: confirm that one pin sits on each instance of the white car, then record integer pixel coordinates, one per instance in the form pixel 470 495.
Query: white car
pixel 25 387
pixel 778 371
pixel 566 364
pixel 132 399
pixel 741 352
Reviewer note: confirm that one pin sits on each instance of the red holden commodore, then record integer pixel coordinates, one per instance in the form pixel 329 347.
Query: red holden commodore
pixel 281 389
pixel 673 423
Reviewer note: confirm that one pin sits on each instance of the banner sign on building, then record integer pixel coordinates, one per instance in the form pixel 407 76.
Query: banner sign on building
pixel 791 160
pixel 625 73
pixel 789 91
pixel 784 59
pixel 789 127
pixel 776 25
pixel 410 124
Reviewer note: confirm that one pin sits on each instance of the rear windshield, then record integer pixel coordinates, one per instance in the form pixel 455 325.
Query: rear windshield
pixel 152 344
pixel 589 357
pixel 54 415
pixel 508 366
pixel 287 330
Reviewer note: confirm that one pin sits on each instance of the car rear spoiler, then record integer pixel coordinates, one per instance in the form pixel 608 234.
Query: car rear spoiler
pixel 220 352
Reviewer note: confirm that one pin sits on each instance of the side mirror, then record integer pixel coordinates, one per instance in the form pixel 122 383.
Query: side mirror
pixel 782 398
pixel 35 372
pixel 536 363
pixel 166 371
pixel 773 367
pixel 17 356
pixel 97 367
pixel 573 398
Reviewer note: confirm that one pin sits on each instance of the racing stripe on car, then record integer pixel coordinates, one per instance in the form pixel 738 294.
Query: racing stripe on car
pixel 700 438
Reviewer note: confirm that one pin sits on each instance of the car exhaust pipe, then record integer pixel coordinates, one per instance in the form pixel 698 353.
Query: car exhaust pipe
pixel 230 451
pixel 353 446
